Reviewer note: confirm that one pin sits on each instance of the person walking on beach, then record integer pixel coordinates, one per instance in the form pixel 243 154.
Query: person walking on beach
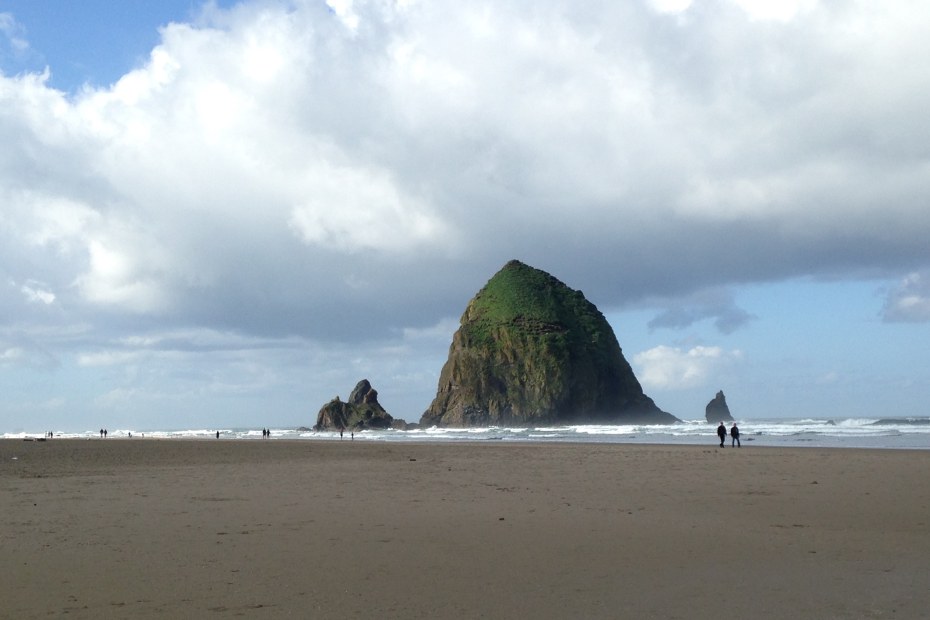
pixel 734 433
pixel 722 434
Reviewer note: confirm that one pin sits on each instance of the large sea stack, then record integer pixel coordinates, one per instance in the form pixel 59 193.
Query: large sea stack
pixel 531 351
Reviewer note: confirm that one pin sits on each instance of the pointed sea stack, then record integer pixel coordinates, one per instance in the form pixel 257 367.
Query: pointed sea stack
pixel 531 351
pixel 717 410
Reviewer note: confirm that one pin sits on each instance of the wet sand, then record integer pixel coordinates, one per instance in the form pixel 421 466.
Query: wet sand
pixel 350 529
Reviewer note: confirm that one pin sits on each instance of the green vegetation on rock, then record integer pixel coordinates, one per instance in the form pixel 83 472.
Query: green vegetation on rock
pixel 530 350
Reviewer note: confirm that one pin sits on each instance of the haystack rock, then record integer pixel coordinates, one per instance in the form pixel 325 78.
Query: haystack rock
pixel 532 351
pixel 361 412
pixel 717 410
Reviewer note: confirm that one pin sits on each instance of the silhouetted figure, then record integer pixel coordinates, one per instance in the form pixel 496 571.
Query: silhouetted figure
pixel 217 434
pixel 722 434
pixel 340 433
pixel 101 433
pixel 734 434
pixel 105 433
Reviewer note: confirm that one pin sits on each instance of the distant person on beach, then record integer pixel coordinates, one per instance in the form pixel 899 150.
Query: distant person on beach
pixel 722 434
pixel 734 433
pixel 105 433
pixel 217 434
pixel 101 433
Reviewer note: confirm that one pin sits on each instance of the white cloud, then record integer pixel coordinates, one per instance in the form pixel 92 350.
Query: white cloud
pixel 355 210
pixel 780 10
pixel 346 12
pixel 14 34
pixel 20 351
pixel 354 172
pixel 441 332
pixel 107 358
pixel 37 292
pixel 673 368
pixel 9 355
pixel 115 277
pixel 671 6
pixel 120 398
pixel 909 301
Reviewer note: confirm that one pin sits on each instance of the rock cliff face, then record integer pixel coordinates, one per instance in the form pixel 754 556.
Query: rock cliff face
pixel 717 410
pixel 361 412
pixel 530 351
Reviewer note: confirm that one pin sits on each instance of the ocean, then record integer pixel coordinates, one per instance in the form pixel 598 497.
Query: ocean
pixel 888 433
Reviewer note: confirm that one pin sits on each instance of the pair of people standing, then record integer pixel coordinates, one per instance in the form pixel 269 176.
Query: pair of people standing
pixel 266 433
pixel 734 434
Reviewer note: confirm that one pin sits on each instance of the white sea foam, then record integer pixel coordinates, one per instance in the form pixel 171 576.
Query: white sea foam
pixel 912 433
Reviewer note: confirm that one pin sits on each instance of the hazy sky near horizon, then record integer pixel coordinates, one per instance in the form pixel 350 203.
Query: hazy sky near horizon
pixel 225 214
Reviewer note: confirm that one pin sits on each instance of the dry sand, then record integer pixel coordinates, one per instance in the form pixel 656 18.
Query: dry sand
pixel 351 529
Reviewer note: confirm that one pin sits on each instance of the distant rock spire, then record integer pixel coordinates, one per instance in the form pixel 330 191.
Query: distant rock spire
pixel 717 409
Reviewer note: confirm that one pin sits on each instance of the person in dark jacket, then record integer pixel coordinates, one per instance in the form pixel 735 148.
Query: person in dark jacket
pixel 734 433
pixel 722 434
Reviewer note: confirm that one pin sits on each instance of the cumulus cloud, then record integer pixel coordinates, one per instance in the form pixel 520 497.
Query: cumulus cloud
pixel 909 300
pixel 273 154
pixel 342 172
pixel 673 368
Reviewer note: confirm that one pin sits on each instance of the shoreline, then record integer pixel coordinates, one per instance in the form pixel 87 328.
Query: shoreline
pixel 884 433
pixel 336 529
pixel 917 444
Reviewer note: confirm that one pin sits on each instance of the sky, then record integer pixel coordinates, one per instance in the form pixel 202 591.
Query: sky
pixel 225 214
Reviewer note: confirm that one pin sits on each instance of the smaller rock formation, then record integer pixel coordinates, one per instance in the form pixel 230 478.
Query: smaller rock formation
pixel 717 410
pixel 361 412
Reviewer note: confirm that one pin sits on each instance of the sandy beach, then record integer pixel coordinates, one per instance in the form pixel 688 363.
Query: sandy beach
pixel 352 529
